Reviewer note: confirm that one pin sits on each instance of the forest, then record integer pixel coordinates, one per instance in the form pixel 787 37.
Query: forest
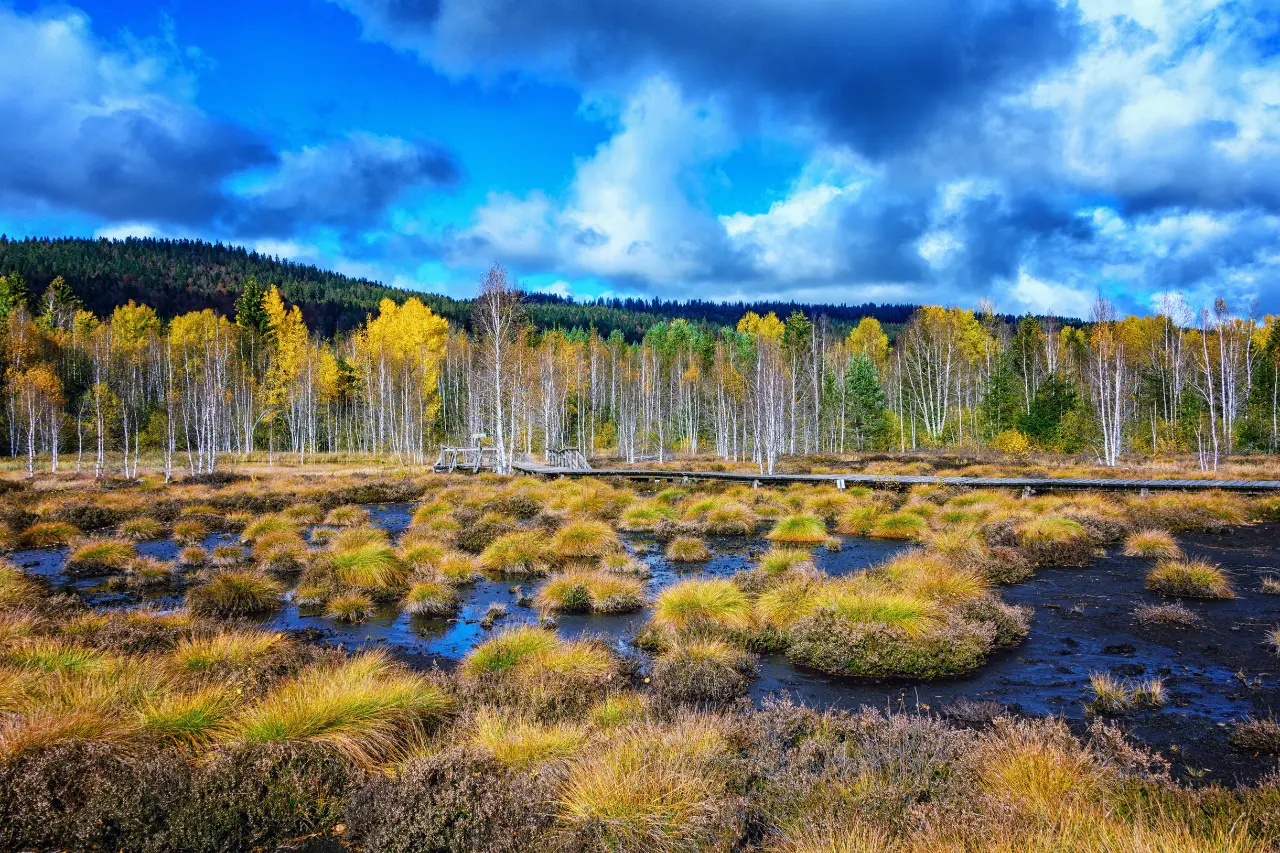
pixel 194 386
pixel 178 276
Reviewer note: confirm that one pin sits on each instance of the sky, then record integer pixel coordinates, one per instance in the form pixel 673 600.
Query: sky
pixel 1033 153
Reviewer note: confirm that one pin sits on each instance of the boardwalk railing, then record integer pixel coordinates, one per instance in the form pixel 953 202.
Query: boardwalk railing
pixel 465 458
pixel 900 481
pixel 567 457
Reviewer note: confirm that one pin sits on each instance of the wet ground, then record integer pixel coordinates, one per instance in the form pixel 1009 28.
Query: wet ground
pixel 1213 674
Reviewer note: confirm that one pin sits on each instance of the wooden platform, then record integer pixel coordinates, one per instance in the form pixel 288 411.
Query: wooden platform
pixel 902 481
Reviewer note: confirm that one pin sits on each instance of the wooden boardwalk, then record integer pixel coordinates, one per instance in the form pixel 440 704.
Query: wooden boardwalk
pixel 901 481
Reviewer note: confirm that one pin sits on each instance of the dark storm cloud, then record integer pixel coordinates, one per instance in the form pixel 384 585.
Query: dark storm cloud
pixel 348 183
pixel 874 74
pixel 130 165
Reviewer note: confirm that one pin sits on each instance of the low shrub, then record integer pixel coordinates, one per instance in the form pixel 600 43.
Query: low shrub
pixel 1166 615
pixel 1257 736
pixel 457 801
pixel 702 673
pixel 1189 579
pixel 839 643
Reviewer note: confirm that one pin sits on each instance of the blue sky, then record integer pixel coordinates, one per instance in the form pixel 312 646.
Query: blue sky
pixel 1034 153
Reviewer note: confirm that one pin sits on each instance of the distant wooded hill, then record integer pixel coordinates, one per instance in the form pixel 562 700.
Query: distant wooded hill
pixel 176 276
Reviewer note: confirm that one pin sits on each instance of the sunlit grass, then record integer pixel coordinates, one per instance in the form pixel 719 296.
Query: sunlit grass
pixel 235 593
pixel 226 650
pixel 141 529
pixel 369 567
pixel 702 605
pixel 799 530
pixel 100 556
pixel 365 708
pixel 46 534
pixel 1189 579
pixel 590 592
pixel 522 554
pixel 585 540
pixel 521 742
pixel 348 515
pixel 1152 544
pixel 899 525
pixel 349 607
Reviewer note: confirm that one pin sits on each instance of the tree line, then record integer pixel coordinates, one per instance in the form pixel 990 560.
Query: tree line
pixel 178 276
pixel 204 383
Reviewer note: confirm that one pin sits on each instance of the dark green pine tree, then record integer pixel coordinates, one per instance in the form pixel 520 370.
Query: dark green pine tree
pixel 1259 427
pixel 250 314
pixel 13 293
pixel 1001 396
pixel 866 405
pixel 1054 398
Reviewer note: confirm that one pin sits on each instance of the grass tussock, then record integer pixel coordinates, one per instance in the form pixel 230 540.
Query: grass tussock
pixel 364 708
pixel 350 607
pixel 533 669
pixel 702 606
pixel 225 651
pixel 687 549
pixel 431 598
pixel 100 557
pixel 1166 616
pixel 48 534
pixel 899 525
pixel 1189 579
pixel 523 554
pixel 521 742
pixel 235 593
pixel 585 540
pixel 141 529
pixel 590 592
pixel 799 529
pixel 1152 545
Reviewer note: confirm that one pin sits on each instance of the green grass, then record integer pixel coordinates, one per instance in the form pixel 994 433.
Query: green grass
pixel 1189 579
pixel 519 742
pixel 507 649
pixel 141 529
pixel 369 567
pixel 55 656
pixel 348 515
pixel 235 593
pixel 188 718
pixel 787 603
pixel 697 605
pixel 899 525
pixel 912 614
pixel 189 532
pixel 644 516
pixel 266 525
pixel 799 530
pixel 15 587
pixel 365 708
pixel 779 560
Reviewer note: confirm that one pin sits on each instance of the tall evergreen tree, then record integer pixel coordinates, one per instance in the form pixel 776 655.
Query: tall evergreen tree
pixel 866 405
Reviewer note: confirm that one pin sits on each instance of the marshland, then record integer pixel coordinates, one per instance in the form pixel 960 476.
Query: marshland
pixel 402 660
